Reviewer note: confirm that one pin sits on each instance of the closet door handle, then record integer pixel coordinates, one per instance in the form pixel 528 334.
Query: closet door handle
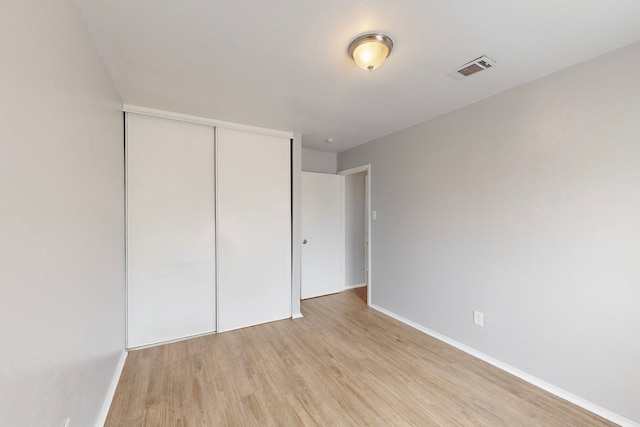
pixel 304 242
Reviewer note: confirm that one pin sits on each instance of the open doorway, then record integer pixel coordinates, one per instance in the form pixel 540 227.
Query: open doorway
pixel 358 230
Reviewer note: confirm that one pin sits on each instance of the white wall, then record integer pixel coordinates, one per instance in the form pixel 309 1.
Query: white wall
pixel 525 206
pixel 318 161
pixel 61 219
pixel 354 230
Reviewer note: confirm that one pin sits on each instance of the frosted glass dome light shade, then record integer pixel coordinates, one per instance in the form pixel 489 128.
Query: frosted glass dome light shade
pixel 369 51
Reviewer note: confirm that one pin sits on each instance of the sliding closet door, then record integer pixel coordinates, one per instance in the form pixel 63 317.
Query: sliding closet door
pixel 170 230
pixel 254 228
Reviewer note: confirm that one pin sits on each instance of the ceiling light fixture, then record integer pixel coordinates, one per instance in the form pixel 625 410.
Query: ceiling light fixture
pixel 370 50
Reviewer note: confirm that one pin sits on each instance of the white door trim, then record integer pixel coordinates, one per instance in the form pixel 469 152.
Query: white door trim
pixel 353 171
pixel 128 108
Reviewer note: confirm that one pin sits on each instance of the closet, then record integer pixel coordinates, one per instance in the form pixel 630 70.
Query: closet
pixel 254 228
pixel 208 228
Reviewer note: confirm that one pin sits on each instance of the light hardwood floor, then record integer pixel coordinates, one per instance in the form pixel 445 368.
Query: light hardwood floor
pixel 343 364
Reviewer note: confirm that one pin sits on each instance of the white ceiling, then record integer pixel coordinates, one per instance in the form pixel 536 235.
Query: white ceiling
pixel 283 64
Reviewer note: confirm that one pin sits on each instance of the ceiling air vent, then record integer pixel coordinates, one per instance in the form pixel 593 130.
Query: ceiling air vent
pixel 473 67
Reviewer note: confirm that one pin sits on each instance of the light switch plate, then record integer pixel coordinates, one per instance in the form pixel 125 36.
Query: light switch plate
pixel 478 318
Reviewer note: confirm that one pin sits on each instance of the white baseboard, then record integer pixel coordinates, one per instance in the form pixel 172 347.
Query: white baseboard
pixel 297 316
pixel 563 394
pixel 361 285
pixel 112 390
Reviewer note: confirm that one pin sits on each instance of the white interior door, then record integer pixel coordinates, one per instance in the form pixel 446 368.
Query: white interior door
pixel 254 228
pixel 323 234
pixel 170 230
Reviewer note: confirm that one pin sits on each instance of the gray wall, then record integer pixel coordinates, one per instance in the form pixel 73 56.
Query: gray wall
pixel 62 301
pixel 354 230
pixel 525 206
pixel 318 161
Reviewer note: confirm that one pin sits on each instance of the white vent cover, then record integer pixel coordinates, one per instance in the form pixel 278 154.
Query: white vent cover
pixel 473 67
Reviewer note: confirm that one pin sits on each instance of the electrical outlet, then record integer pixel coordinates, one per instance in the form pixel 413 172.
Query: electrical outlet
pixel 478 318
pixel 374 215
pixel 66 423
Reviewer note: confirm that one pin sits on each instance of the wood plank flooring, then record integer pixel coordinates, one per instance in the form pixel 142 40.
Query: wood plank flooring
pixel 343 364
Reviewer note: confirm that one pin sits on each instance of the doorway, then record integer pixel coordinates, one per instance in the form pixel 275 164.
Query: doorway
pixel 358 228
